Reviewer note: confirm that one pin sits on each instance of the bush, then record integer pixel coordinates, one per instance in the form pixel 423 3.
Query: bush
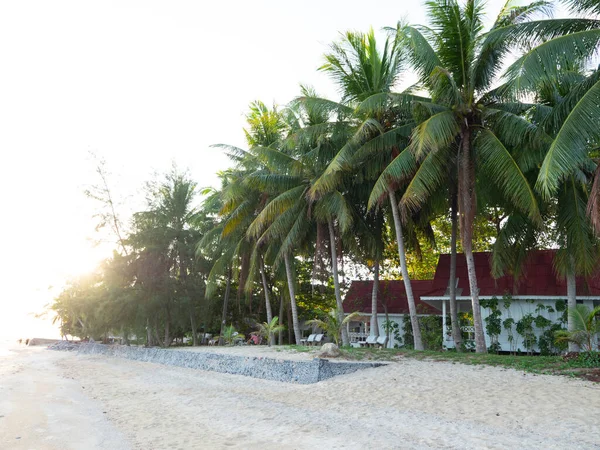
pixel 589 359
pixel 431 332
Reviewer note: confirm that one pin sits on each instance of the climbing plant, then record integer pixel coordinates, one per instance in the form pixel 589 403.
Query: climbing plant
pixel 392 328
pixel 526 330
pixel 493 323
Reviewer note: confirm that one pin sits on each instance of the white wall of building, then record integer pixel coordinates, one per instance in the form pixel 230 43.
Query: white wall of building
pixel 518 309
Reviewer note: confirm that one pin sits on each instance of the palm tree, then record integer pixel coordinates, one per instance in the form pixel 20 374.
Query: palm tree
pixel 268 329
pixel 177 213
pixel 332 325
pixel 578 253
pixel 239 206
pixel 467 119
pixel 366 76
pixel 586 327
pixel 291 172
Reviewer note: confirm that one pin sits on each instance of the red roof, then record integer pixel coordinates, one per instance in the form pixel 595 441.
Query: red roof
pixel 391 293
pixel 538 277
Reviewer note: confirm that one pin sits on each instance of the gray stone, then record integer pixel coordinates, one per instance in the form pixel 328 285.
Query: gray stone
pixel 329 350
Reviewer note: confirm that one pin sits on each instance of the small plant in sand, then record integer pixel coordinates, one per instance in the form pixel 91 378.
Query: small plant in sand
pixel 331 326
pixel 268 329
pixel 230 336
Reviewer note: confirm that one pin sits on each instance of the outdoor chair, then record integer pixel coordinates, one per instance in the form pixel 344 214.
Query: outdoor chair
pixel 469 345
pixel 382 341
pixel 319 338
pixel 371 341
pixel 310 339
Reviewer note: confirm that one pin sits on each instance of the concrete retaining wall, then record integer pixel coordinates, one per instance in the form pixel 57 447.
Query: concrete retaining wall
pixel 302 372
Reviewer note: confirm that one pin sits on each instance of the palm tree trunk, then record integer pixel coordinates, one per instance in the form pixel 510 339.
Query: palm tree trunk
pixel 412 309
pixel 374 294
pixel 290 282
pixel 149 339
pixel 336 283
pixel 571 301
pixel 156 335
pixel 281 304
pixel 193 326
pixel 267 300
pixel 225 304
pixel 289 323
pixel 456 334
pixel 168 327
pixel 468 203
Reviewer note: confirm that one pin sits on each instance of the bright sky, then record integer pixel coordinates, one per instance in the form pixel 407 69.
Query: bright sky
pixel 141 84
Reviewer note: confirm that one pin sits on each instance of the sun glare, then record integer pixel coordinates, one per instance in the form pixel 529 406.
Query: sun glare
pixel 24 312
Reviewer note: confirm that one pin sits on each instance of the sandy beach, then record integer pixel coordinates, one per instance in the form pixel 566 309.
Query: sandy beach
pixel 61 400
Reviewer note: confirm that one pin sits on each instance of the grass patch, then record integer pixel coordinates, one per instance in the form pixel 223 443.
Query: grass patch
pixel 550 365
pixel 295 348
pixel 547 365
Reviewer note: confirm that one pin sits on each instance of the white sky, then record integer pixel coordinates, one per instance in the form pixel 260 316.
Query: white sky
pixel 142 84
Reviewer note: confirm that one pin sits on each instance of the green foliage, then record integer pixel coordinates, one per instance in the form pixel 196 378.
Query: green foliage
pixel 392 328
pixel 319 163
pixel 431 332
pixel 331 325
pixel 231 336
pixel 493 323
pixel 589 359
pixel 525 327
pixel 268 329
pixel 586 327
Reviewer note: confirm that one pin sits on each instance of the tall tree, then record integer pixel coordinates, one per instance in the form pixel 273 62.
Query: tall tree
pixel 366 76
pixel 458 62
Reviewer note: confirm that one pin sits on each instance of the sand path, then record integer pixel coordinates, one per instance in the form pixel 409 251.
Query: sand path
pixel 404 405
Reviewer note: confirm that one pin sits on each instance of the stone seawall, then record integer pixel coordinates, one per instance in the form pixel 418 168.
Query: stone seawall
pixel 302 372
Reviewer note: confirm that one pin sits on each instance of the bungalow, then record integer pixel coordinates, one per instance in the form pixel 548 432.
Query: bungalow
pixel 392 307
pixel 518 314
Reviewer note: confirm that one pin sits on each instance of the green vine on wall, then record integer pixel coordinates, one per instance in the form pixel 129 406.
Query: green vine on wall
pixel 526 327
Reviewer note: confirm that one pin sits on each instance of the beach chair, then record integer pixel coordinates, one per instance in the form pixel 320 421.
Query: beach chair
pixel 310 339
pixel 469 345
pixel 382 341
pixel 371 341
pixel 319 338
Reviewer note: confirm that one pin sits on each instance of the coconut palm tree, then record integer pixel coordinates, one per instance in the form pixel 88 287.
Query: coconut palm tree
pixel 291 171
pixel 458 63
pixel 366 76
pixel 551 49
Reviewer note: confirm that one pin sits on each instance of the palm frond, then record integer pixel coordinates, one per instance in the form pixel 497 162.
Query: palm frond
pixel 397 172
pixel 570 147
pixel 274 209
pixel 544 61
pixel 498 164
pixel 423 57
pixel 432 173
pixel 437 132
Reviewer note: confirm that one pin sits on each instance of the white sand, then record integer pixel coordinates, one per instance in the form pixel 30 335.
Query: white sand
pixel 408 404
